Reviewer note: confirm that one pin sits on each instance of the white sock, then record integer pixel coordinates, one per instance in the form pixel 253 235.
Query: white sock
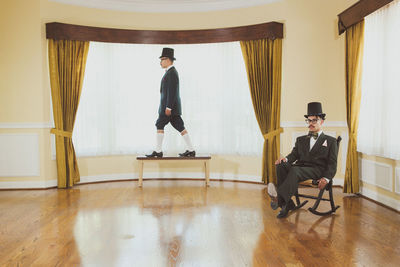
pixel 188 142
pixel 160 137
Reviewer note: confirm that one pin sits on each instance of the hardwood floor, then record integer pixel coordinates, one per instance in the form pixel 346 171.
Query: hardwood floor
pixel 182 223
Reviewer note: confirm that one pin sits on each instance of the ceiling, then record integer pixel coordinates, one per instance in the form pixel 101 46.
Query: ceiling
pixel 166 6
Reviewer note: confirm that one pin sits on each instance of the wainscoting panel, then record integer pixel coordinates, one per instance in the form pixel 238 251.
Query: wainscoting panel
pixel 375 173
pixel 19 155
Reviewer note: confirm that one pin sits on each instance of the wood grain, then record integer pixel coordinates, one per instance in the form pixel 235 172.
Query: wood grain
pixel 62 31
pixel 182 223
pixel 358 12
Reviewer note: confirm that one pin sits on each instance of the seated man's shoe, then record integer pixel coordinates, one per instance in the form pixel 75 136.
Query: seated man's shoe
pixel 188 153
pixel 285 209
pixel 274 204
pixel 273 195
pixel 155 154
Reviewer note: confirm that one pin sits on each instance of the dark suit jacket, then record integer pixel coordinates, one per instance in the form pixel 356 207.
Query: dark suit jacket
pixel 321 156
pixel 169 90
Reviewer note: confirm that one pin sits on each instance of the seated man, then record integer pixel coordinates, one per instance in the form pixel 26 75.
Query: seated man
pixel 314 156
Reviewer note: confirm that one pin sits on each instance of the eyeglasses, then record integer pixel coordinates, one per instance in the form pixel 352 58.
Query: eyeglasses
pixel 313 121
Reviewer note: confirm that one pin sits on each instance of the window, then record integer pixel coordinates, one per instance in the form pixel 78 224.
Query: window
pixel 379 127
pixel 121 93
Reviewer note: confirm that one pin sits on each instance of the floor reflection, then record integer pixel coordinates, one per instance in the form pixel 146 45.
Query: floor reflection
pixel 169 227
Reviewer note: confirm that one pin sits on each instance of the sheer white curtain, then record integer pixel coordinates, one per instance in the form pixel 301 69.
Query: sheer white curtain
pixel 121 93
pixel 379 127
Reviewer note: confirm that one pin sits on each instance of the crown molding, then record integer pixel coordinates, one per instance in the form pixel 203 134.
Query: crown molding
pixel 163 6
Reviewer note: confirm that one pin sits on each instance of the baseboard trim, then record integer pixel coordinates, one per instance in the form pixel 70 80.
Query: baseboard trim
pixel 380 199
pixel 28 185
pixel 169 175
pixel 172 179
pixel 378 203
pixel 33 185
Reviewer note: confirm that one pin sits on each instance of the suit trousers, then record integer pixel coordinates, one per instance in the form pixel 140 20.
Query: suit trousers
pixel 288 178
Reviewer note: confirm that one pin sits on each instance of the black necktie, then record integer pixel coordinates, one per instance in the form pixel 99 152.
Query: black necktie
pixel 313 135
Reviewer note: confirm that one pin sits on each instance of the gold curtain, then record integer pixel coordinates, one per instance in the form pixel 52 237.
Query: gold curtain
pixel 263 59
pixel 354 56
pixel 67 61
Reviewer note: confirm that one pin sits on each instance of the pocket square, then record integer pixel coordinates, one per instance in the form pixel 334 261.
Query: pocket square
pixel 325 143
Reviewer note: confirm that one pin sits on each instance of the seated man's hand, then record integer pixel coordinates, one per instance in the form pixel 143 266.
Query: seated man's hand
pixel 278 161
pixel 322 183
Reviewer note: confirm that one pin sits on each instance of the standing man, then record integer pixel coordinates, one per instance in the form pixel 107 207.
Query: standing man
pixel 314 156
pixel 170 110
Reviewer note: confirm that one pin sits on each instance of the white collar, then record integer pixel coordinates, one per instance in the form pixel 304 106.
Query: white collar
pixel 170 66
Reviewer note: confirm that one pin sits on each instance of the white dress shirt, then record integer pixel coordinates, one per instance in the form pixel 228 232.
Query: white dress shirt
pixel 313 141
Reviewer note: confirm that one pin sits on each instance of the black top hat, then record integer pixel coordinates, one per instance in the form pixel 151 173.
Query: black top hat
pixel 315 109
pixel 168 52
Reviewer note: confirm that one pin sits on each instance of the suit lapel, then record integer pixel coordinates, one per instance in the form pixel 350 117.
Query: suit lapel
pixel 165 74
pixel 306 146
pixel 319 142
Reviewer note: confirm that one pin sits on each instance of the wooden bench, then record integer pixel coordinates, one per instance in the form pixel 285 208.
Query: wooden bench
pixel 204 159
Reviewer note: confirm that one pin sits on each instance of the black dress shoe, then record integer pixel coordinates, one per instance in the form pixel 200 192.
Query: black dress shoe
pixel 285 209
pixel 188 153
pixel 155 154
pixel 274 205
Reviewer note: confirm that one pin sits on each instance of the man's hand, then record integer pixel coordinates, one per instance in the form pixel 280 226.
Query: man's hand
pixel 167 112
pixel 322 183
pixel 280 160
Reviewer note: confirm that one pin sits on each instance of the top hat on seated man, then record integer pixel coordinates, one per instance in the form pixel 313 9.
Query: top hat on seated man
pixel 315 109
pixel 168 52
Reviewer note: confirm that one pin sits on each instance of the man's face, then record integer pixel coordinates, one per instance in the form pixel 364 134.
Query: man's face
pixel 314 123
pixel 165 62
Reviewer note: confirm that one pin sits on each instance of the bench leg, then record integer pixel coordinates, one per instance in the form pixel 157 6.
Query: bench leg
pixel 141 173
pixel 207 172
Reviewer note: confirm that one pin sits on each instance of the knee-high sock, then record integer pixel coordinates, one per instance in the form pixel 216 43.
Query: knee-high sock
pixel 189 145
pixel 160 137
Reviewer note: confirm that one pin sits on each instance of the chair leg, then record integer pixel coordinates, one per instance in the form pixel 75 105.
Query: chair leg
pixel 313 209
pixel 333 207
pixel 297 199
pixel 298 203
pixel 316 204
